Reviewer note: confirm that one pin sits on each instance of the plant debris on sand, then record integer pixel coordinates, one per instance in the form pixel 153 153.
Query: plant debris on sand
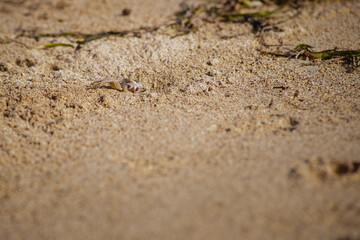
pixel 350 58
pixel 187 20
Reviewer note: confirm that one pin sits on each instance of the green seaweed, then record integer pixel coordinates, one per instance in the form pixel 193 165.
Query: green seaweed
pixel 51 45
pixel 230 17
pixel 350 58
pixel 307 51
pixel 82 38
pixel 65 34
pixel 91 37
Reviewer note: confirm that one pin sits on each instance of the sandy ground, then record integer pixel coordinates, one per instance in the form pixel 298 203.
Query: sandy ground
pixel 225 144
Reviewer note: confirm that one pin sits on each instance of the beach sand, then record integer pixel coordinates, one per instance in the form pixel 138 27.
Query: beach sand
pixel 226 143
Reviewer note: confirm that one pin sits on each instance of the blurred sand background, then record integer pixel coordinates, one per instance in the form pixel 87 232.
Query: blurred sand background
pixel 227 143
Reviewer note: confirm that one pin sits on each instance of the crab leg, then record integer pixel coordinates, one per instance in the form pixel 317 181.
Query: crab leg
pixel 126 83
pixel 113 83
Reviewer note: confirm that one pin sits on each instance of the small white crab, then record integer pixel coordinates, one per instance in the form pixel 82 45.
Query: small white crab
pixel 126 83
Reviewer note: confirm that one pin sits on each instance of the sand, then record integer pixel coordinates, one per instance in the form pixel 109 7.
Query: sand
pixel 226 143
